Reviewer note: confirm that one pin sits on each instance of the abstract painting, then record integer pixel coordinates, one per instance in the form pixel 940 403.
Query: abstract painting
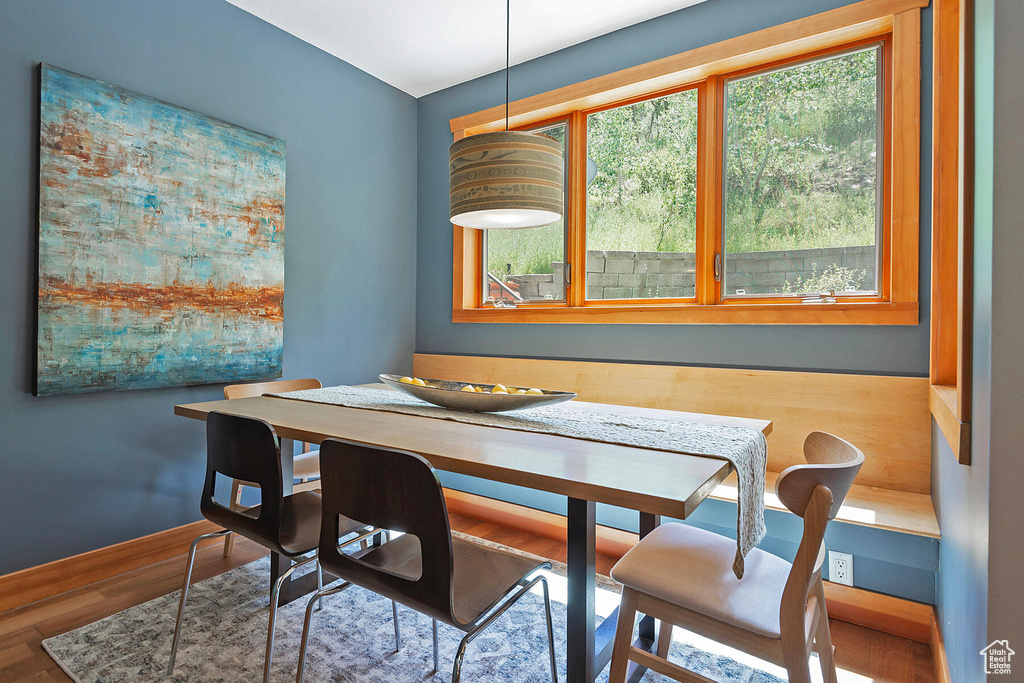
pixel 161 243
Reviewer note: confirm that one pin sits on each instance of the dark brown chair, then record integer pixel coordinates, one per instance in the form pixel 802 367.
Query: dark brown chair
pixel 305 465
pixel 248 449
pixel 463 584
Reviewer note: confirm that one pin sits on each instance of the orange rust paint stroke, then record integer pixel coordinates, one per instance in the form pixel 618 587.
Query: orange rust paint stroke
pixel 263 302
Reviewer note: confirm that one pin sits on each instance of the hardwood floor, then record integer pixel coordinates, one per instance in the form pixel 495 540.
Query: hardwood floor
pixel 877 657
pixel 23 629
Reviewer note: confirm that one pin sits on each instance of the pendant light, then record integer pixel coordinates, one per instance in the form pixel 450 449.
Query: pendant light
pixel 505 179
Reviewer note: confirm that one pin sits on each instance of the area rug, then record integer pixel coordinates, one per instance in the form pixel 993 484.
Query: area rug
pixel 352 640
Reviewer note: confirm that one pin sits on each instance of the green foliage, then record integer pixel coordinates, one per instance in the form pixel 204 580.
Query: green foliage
pixel 800 156
pixel 835 278
pixel 527 250
pixel 799 174
pixel 644 195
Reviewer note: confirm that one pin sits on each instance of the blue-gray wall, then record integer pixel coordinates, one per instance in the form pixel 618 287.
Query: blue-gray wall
pixel 81 472
pixel 901 350
pixel 899 565
pixel 979 596
pixel 77 473
pixel 961 494
pixel 1006 399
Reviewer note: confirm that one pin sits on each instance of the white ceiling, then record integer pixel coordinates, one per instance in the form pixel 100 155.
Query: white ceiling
pixel 421 46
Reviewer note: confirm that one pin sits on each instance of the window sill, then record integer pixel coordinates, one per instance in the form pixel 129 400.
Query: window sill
pixel 843 313
pixel 942 401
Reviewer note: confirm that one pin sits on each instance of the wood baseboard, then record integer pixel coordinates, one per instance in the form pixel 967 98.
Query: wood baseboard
pixel 939 661
pixel 35 583
pixel 879 612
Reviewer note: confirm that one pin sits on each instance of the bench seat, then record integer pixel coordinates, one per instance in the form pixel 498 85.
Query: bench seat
pixel 900 511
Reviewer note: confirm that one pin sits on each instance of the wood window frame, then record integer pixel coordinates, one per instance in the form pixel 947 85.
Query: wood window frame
pixel 952 222
pixel 897 22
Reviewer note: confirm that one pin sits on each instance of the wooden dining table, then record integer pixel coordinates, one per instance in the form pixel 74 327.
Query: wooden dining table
pixel 655 483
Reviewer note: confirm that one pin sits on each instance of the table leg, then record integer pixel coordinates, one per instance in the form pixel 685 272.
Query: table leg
pixel 293 588
pixel 581 566
pixel 645 634
pixel 647 524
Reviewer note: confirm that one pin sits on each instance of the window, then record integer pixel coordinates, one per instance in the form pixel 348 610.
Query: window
pixel 527 264
pixel 802 171
pixel 771 178
pixel 641 224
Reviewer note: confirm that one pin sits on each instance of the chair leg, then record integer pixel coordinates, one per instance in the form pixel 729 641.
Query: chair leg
pixel 664 639
pixel 435 647
pixel 797 663
pixel 319 585
pixel 398 626
pixel 275 594
pixel 551 632
pixel 459 654
pixel 318 596
pixel 823 639
pixel 478 626
pixel 623 636
pixel 236 502
pixel 184 593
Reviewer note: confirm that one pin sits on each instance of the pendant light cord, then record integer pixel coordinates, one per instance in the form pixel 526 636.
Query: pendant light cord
pixel 508 28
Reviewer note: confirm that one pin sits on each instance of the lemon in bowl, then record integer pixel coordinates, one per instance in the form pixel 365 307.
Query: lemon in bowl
pixel 461 395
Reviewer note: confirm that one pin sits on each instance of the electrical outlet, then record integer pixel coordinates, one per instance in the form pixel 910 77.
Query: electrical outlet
pixel 840 568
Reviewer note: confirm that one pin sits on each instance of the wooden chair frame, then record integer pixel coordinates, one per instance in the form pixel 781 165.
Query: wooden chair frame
pixel 815 492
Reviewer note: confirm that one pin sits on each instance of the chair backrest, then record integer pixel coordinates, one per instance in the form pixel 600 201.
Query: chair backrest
pixel 396 490
pixel 815 492
pixel 248 449
pixel 831 462
pixel 277 387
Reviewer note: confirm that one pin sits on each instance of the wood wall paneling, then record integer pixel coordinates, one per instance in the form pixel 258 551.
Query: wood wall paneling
pixel 952 223
pixel 886 417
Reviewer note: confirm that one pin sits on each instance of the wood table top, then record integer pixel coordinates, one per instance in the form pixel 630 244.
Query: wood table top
pixel 653 481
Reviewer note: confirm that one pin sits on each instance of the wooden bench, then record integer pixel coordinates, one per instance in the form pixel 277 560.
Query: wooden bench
pixel 886 417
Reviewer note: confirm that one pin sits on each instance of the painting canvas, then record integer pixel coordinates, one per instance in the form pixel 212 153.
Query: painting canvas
pixel 161 243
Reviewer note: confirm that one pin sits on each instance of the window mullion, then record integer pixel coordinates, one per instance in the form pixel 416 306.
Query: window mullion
pixel 709 195
pixel 576 187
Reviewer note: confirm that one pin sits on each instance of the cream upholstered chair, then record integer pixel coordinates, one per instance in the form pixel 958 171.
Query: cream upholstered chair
pixel 683 576
pixel 306 465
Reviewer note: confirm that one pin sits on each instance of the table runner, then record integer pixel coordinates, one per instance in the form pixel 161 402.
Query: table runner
pixel 745 448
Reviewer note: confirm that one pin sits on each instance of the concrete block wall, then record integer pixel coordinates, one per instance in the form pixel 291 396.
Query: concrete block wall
pixel 650 274
pixel 767 272
pixel 640 274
